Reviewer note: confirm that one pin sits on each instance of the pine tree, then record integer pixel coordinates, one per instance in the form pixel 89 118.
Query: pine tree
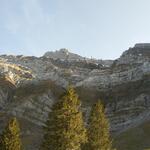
pixel 98 129
pixel 65 127
pixel 10 138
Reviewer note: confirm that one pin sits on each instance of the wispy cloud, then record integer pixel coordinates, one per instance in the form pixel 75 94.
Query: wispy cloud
pixel 28 21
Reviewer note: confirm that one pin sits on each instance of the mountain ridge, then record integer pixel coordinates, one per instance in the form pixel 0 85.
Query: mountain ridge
pixel 33 84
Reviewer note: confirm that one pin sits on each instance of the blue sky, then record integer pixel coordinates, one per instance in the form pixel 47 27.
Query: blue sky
pixel 97 28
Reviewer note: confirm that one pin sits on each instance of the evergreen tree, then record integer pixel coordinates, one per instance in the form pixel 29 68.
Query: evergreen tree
pixel 98 129
pixel 65 127
pixel 10 138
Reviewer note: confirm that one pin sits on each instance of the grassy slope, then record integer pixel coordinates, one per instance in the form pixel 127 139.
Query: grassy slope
pixel 134 139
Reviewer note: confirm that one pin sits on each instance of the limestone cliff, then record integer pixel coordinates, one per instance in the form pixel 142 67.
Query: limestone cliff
pixel 30 85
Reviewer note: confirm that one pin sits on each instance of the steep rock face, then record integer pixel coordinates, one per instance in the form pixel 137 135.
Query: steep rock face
pixel 30 85
pixel 33 108
pixel 124 87
pixel 6 91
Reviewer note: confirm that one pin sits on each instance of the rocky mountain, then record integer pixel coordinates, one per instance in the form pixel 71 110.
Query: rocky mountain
pixel 30 85
pixel 62 54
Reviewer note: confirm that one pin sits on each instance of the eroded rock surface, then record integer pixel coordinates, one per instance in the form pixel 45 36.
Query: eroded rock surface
pixel 30 85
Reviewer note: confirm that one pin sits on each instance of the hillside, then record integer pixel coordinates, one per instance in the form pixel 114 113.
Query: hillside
pixel 30 85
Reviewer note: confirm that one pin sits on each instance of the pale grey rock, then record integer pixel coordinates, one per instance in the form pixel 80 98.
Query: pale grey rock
pixel 62 67
pixel 142 45
pixel 34 109
pixel 62 54
pixel 3 97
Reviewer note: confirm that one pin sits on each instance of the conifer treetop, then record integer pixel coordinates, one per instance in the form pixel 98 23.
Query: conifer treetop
pixel 10 139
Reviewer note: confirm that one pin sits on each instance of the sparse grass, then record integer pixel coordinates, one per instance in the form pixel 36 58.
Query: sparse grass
pixel 37 89
pixel 33 138
pixel 134 139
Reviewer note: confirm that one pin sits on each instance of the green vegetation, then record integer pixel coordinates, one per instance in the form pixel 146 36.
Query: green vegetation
pixel 10 139
pixel 98 129
pixel 65 127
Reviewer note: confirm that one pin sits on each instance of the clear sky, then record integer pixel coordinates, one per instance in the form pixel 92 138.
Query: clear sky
pixel 97 28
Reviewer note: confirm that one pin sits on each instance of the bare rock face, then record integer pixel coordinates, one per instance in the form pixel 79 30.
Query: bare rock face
pixel 140 53
pixel 6 91
pixel 34 109
pixel 30 85
pixel 62 54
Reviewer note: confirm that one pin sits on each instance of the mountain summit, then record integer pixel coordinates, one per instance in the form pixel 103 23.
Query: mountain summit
pixel 62 54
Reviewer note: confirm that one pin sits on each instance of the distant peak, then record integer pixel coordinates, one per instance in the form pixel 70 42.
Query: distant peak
pixel 64 50
pixel 63 53
pixel 142 45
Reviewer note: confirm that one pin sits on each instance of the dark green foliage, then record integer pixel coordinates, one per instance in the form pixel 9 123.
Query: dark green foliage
pixel 65 127
pixel 10 139
pixel 98 129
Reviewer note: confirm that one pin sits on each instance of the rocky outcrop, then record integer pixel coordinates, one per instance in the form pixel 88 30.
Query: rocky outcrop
pixel 62 54
pixel 30 85
pixel 34 108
